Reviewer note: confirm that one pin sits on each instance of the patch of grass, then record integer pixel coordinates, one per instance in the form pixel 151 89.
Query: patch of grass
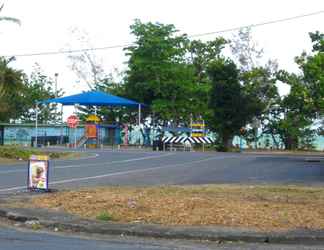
pixel 104 216
pixel 14 152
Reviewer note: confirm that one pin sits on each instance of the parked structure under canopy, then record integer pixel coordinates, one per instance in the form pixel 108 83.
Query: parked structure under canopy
pixel 92 98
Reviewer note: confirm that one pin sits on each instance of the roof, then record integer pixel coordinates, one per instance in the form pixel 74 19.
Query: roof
pixel 93 98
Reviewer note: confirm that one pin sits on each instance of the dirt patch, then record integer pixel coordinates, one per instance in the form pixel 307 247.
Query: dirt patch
pixel 257 207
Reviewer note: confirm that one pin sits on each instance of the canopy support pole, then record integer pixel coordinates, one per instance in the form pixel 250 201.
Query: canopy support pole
pixel 139 119
pixel 139 115
pixel 61 138
pixel 36 127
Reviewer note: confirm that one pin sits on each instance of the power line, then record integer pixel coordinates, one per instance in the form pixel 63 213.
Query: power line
pixel 261 24
pixel 191 36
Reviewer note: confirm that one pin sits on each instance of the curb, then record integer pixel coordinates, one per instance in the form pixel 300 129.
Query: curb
pixel 217 234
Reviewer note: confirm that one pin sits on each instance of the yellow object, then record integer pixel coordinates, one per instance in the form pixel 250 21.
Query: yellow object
pixel 39 157
pixel 93 118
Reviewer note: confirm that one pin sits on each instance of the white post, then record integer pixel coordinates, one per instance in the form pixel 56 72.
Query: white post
pixel 62 123
pixel 139 120
pixel 75 140
pixel 36 127
pixel 139 115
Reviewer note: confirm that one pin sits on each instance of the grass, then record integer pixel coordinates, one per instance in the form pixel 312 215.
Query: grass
pixel 104 216
pixel 268 208
pixel 10 153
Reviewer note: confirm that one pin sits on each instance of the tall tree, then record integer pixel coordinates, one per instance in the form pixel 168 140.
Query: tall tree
pixel 245 50
pixel 158 74
pixel 11 86
pixel 227 101
pixel 39 87
pixel 258 79
pixel 291 118
pixel 86 65
pixel 312 67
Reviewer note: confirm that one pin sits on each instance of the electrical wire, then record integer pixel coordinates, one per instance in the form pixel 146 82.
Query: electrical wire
pixel 190 36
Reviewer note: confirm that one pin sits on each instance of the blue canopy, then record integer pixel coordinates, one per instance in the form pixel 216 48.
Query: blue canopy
pixel 93 98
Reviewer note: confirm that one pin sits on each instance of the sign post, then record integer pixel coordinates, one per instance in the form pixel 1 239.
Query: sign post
pixel 73 122
pixel 38 169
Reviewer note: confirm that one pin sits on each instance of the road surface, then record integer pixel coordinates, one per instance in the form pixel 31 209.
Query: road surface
pixel 13 239
pixel 160 168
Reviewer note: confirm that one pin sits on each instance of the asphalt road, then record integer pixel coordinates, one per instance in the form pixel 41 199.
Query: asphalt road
pixel 159 168
pixel 12 239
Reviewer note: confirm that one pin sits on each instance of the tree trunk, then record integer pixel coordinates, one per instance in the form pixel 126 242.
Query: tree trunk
pixel 227 142
pixel 291 143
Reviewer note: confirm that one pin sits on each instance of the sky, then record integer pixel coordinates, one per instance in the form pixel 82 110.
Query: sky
pixel 46 26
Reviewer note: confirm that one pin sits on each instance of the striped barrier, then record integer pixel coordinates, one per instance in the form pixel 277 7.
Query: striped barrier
pixel 182 139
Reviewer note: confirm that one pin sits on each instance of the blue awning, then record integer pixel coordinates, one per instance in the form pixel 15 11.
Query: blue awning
pixel 93 98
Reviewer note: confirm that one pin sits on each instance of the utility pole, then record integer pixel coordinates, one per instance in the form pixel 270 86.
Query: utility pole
pixel 56 76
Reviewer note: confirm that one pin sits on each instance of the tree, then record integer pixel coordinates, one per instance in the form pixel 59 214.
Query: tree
pixel 245 50
pixel 86 65
pixel 227 101
pixel 158 73
pixel 312 67
pixel 201 54
pixel 11 85
pixel 291 118
pixel 37 88
pixel 257 78
pixel 259 85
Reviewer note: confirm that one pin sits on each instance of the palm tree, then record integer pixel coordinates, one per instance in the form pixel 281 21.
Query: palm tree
pixel 9 19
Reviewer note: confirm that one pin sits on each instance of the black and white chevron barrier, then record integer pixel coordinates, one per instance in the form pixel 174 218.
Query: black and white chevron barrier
pixel 182 139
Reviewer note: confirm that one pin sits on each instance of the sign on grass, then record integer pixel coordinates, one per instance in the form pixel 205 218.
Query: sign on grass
pixel 38 167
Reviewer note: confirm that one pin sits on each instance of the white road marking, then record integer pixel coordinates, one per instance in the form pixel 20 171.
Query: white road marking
pixel 124 172
pixel 93 164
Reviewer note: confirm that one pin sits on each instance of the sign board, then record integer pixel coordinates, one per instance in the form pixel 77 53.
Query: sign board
pixel 93 118
pixel 91 131
pixel 126 134
pixel 198 129
pixel 72 121
pixel 38 166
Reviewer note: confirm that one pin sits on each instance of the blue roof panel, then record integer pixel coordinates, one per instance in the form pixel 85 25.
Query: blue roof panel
pixel 93 98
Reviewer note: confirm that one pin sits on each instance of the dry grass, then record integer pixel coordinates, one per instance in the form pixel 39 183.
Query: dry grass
pixel 258 207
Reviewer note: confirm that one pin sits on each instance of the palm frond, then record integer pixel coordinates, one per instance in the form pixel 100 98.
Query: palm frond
pixel 10 19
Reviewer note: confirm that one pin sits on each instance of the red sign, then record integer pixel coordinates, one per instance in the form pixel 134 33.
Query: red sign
pixel 72 121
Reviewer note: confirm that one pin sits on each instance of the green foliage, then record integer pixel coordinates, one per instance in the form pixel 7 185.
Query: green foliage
pixel 227 100
pixel 104 216
pixel 11 87
pixel 202 53
pixel 168 72
pixel 292 116
pixel 37 88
